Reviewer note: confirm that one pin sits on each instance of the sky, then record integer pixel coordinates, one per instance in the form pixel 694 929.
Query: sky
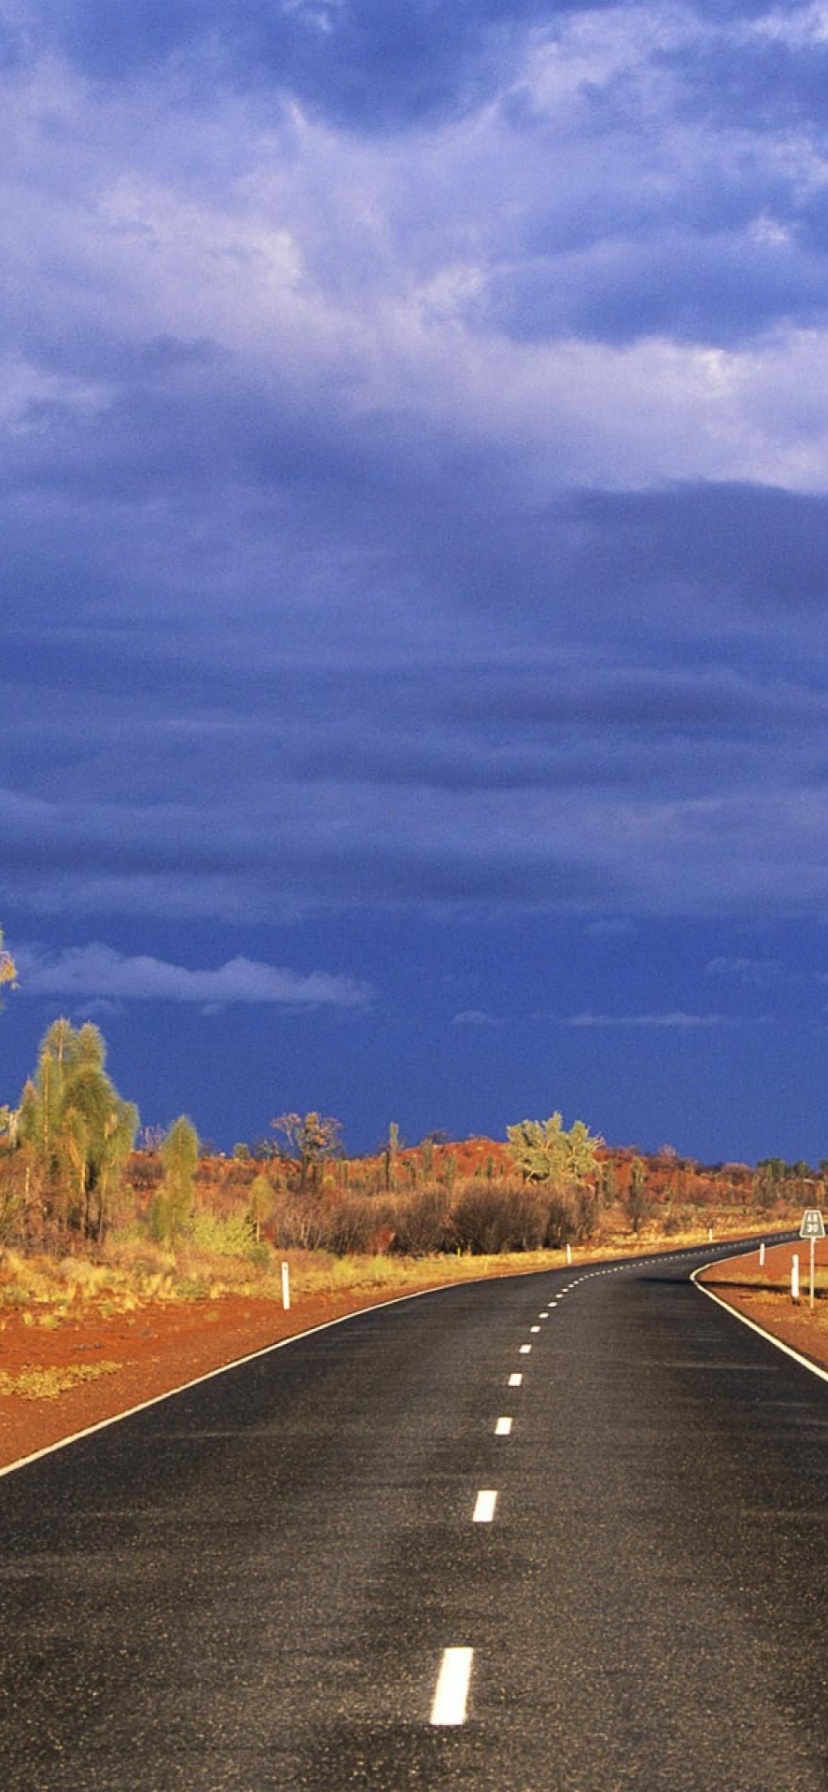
pixel 414 521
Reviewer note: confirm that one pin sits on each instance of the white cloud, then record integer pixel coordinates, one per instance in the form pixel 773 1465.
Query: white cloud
pixel 675 1018
pixel 747 970
pixel 99 972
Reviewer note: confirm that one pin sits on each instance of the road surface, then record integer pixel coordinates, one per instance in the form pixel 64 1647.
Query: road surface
pixel 340 1566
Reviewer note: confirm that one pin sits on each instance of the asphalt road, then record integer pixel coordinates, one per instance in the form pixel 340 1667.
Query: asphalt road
pixel 254 1584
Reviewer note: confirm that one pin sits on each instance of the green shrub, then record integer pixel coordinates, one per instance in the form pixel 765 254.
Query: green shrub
pixel 231 1236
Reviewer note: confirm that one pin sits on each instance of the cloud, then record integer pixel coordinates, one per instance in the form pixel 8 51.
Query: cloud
pixel 98 972
pixel 674 1019
pixel 723 289
pixel 473 1017
pixel 752 971
pixel 361 64
pixel 415 464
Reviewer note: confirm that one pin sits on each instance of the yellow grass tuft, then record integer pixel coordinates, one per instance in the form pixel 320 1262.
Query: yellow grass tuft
pixel 47 1384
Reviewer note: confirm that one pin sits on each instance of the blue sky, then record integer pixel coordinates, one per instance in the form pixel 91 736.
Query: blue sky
pixel 414 505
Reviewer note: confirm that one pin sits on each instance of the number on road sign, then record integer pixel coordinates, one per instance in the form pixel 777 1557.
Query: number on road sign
pixel 813 1224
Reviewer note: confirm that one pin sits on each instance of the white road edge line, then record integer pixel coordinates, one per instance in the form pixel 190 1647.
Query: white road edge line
pixel 503 1427
pixel 238 1362
pixel 484 1506
pixel 751 1323
pixel 225 1368
pixel 452 1690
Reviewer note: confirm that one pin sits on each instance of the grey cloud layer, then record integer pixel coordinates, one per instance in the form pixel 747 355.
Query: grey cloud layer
pixel 363 63
pixel 415 459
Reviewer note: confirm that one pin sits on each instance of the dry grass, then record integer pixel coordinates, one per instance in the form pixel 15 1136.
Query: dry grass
pixel 47 1384
pixel 132 1273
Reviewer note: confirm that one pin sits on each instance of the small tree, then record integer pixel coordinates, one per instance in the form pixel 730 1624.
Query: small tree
pixel 390 1152
pixel 638 1202
pixel 262 1202
pixel 76 1128
pixel 315 1139
pixel 173 1202
pixel 543 1151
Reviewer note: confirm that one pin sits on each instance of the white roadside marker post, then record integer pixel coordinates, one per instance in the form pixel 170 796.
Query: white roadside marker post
pixel 286 1287
pixel 569 1253
pixel 795 1276
pixel 762 1254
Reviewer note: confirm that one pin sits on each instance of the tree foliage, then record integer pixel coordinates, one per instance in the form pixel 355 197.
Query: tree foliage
pixel 76 1129
pixel 314 1138
pixel 173 1202
pixel 8 968
pixel 262 1202
pixel 543 1151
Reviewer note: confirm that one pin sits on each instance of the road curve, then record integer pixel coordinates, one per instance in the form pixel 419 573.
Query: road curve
pixel 340 1566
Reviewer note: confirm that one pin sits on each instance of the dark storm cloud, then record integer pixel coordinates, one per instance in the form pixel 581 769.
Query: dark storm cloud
pixel 374 531
pixel 761 82
pixel 694 288
pixel 363 63
pixel 84 860
pixel 741 545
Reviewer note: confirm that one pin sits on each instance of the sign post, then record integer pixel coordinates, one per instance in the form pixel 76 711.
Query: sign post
pixel 812 1228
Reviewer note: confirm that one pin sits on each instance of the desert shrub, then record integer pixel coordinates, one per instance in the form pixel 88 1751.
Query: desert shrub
pixel 421 1222
pixel 298 1223
pixel 227 1236
pixel 487 1220
pixel 192 1288
pixel 351 1225
pixel 144 1171
pixel 572 1216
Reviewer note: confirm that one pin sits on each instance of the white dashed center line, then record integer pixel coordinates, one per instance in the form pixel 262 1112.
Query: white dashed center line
pixel 515 1381
pixel 534 1328
pixel 525 1349
pixel 452 1691
pixel 484 1510
pixel 503 1427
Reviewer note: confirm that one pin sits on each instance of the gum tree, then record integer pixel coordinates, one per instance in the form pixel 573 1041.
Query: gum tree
pixel 315 1139
pixel 543 1151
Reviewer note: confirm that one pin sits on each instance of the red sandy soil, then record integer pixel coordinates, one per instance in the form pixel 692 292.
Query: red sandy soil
pixel 164 1345
pixel 158 1347
pixel 764 1295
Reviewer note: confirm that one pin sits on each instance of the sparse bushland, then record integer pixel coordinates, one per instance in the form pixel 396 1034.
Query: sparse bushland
pixel 165 1222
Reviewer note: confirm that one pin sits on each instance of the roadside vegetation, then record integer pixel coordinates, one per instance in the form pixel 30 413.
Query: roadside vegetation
pixel 94 1211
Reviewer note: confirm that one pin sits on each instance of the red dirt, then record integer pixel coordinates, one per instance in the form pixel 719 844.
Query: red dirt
pixel 158 1347
pixel 763 1294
